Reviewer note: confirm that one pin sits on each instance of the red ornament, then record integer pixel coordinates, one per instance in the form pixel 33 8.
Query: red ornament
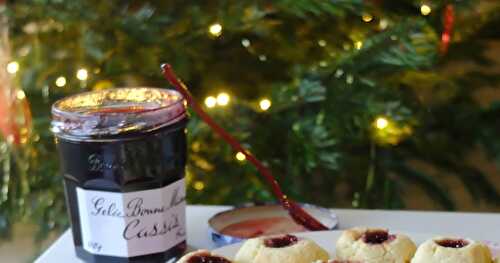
pixel 448 23
pixel 16 115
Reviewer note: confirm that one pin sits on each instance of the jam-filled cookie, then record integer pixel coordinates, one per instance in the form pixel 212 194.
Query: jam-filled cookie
pixel 445 249
pixel 280 249
pixel 374 246
pixel 203 256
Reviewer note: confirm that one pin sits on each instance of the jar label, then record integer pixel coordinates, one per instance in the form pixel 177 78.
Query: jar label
pixel 134 223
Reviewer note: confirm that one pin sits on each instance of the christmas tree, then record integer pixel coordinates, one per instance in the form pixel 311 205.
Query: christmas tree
pixel 347 101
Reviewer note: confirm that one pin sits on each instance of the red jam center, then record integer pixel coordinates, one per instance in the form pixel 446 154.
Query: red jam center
pixel 283 241
pixel 376 237
pixel 207 258
pixel 453 243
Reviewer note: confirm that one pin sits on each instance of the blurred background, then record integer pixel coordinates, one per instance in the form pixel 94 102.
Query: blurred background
pixel 352 103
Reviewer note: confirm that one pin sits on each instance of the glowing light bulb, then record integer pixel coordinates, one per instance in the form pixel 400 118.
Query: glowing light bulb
pixel 383 24
pixel 61 81
pixel 20 95
pixel 265 104
pixel 198 185
pixel 245 42
pixel 358 44
pixel 338 73
pixel 82 74
pixel 381 123
pixel 349 79
pixel 240 156
pixel 210 101
pixel 367 18
pixel 425 9
pixel 215 29
pixel 13 67
pixel 223 99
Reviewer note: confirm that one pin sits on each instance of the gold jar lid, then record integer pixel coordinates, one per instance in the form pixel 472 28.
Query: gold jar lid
pixel 114 112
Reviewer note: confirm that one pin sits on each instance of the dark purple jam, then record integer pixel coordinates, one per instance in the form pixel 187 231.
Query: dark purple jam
pixel 123 142
pixel 377 237
pixel 452 243
pixel 207 258
pixel 282 241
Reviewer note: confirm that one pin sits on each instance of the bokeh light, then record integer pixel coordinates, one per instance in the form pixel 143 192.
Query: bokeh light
pixel 425 9
pixel 215 29
pixel 13 67
pixel 210 101
pixel 223 99
pixel 82 74
pixel 61 81
pixel 240 156
pixel 381 123
pixel 265 104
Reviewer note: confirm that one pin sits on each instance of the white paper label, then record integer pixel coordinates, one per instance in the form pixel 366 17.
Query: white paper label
pixel 134 223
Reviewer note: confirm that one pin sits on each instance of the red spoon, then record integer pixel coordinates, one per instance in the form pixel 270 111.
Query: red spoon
pixel 296 212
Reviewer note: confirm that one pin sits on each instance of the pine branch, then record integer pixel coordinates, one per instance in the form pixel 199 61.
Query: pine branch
pixel 403 47
pixel 307 8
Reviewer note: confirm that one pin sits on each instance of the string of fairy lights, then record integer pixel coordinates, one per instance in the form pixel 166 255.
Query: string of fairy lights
pixel 382 124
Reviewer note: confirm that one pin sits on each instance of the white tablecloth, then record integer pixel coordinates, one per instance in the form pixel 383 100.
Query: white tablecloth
pixel 480 226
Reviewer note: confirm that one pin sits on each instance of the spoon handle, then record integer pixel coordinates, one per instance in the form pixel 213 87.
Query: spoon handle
pixel 296 211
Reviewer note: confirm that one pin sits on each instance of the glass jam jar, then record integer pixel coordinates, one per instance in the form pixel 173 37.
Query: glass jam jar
pixel 122 156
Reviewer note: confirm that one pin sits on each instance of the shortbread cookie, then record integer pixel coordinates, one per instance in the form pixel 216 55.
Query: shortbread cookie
pixel 203 256
pixel 448 250
pixel 280 249
pixel 374 246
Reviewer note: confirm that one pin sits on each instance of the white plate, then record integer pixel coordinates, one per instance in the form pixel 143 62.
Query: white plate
pixel 325 239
